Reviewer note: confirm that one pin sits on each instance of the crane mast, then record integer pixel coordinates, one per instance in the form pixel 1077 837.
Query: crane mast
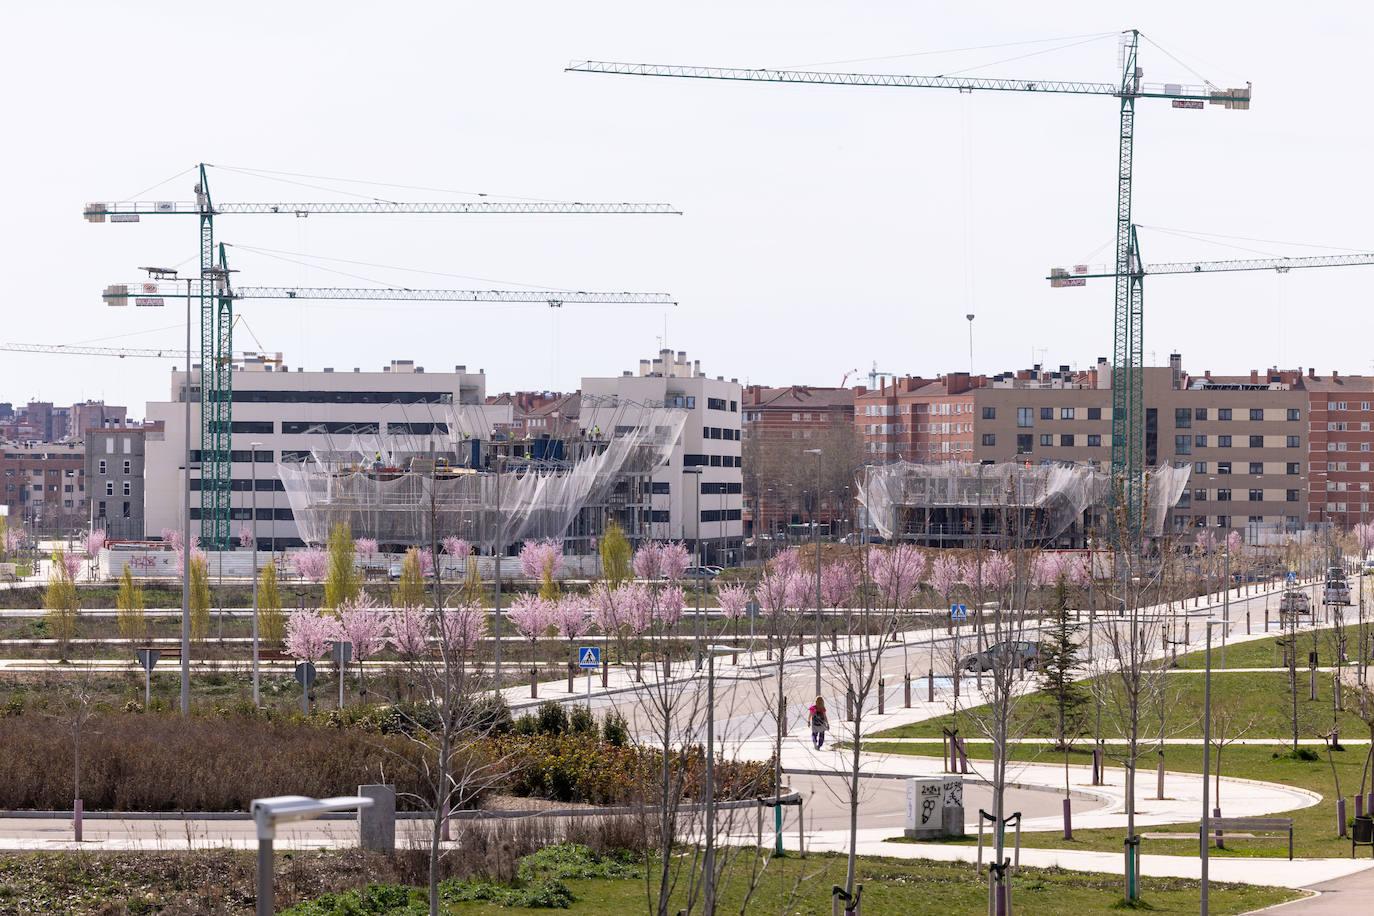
pixel 1128 307
pixel 216 298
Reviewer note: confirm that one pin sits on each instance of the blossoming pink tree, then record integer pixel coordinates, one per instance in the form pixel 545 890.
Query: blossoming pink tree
pixel 426 562
pixel 365 550
pixel 673 560
pixel 95 542
pixel 572 618
pixel 458 551
pixel 839 582
pixel 734 603
pixel 896 573
pixel 308 636
pixel 246 536
pixel 310 564
pixel 646 561
pixel 363 624
pixel 461 629
pixel 532 616
pixel 410 632
pixel 71 564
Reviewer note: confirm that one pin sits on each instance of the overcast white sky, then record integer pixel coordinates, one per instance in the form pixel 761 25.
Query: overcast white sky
pixel 826 227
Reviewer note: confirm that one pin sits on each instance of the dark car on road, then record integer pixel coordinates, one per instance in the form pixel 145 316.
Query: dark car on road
pixel 1021 654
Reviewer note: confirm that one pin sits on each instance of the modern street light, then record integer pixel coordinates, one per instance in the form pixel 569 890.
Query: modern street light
pixel 708 859
pixel 268 813
pixel 1203 829
pixel 253 527
pixel 816 548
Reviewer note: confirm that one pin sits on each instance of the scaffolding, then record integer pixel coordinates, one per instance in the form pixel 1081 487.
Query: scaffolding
pixel 962 503
pixel 491 490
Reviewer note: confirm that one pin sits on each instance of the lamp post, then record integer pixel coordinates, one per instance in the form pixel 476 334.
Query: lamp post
pixel 969 316
pixel 1203 829
pixel 284 809
pixel 186 526
pixel 708 859
pixel 816 549
pixel 253 527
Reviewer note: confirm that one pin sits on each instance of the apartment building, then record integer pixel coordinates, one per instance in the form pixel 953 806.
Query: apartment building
pixel 1340 413
pixel 115 475
pixel 281 415
pixel 916 419
pixel 699 493
pixel 539 414
pixel 779 425
pixel 44 486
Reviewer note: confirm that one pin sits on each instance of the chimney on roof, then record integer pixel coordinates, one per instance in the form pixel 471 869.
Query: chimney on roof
pixel 1254 376
pixel 1311 373
pixel 1176 362
pixel 1207 375
pixel 1335 375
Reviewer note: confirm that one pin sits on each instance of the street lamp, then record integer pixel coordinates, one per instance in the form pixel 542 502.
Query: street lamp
pixel 253 527
pixel 708 859
pixel 1203 830
pixel 816 548
pixel 268 813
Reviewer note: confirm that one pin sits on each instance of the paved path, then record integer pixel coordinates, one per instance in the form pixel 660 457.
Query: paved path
pixel 1345 896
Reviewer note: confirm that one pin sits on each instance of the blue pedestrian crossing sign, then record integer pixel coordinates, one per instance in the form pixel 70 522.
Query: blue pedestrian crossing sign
pixel 1292 576
pixel 589 657
pixel 958 612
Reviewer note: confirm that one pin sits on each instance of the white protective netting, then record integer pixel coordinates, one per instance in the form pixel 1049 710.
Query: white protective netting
pixel 385 488
pixel 1057 493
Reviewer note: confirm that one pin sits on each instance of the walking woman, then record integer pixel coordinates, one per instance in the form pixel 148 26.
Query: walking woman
pixel 820 723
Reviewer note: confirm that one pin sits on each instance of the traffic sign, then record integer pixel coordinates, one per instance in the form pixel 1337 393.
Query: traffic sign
pixel 958 612
pixel 148 658
pixel 589 657
pixel 342 652
pixel 305 674
pixel 1292 576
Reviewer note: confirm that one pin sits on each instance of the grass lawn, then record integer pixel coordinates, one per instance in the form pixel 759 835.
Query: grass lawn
pixel 1314 827
pixel 1260 699
pixel 1265 653
pixel 220 881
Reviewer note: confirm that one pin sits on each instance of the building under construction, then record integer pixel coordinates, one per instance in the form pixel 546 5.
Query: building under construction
pixel 959 504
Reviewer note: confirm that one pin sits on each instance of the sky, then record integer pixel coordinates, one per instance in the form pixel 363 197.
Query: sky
pixel 824 229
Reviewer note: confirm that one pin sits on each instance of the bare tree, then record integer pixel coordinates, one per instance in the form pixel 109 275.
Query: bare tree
pixel 1228 727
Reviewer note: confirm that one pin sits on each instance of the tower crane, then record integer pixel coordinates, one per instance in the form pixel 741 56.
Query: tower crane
pixel 1078 275
pixel 216 311
pixel 78 350
pixel 1127 414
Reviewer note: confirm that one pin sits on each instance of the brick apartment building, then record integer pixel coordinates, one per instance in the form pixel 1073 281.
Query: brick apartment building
pixel 779 424
pixel 1342 448
pixel 1245 438
pixel 539 414
pixel 44 486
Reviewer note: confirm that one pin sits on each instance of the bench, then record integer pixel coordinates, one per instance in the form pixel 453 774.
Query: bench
pixel 1240 828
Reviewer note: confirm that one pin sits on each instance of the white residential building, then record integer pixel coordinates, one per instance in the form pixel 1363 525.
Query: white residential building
pixel 291 413
pixel 677 503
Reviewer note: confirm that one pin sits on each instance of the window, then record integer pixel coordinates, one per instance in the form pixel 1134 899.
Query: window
pixel 1223 521
pixel 1257 442
pixel 126 510
pixel 336 427
pixel 1200 467
pixel 1256 496
pixel 1200 495
pixel 1223 495
pixel 1046 439
pixel 1223 441
pixel 416 429
pixel 734 407
pixel 1257 467
pixel 1293 441
pixel 1183 445
pixel 109 445
pixel 1024 418
pixel 1200 440
pixel 1094 413
pixel 1256 413
pixel 1223 413
pixel 989 439
pixel 100 466
pixel 715 403
pixel 1023 444
pixel 128 466
pixel 1290 495
pixel 1066 440
pixel 660 487
pixel 1183 417
pixel 1047 413
pixel 1200 413
pixel 1066 413
pixel 1339 405
pixel 1094 440
pixel 1185 500
pixel 100 507
pixel 1294 414
pixel 109 488
pixel 1223 467
pixel 989 413
pixel 128 491
pixel 1292 467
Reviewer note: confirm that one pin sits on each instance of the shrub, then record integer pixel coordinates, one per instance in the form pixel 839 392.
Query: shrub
pixel 574 862
pixel 526 725
pixel 614 730
pixel 581 722
pixel 553 718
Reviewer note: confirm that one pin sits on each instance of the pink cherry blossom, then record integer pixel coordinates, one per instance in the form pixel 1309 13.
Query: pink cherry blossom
pixel 670 600
pixel 1048 568
pixel 637 603
pixel 410 632
pixel 172 538
pixel 673 560
pixel 734 600
pixel 71 564
pixel 364 625
pixel 1080 570
pixel 1206 541
pixel 1234 540
pixel 457 548
pixel 896 573
pixel 426 562
pixel 606 608
pixel 646 563
pixel 779 591
pixel 95 542
pixel 997 571
pixel 787 562
pixel 365 548
pixel 14 539
pixel 462 627
pixel 540 559
pixel 246 536
pixel 196 554
pixel 308 635
pixel 571 616
pixel 839 581
pixel 531 615
pixel 311 563
pixel 945 575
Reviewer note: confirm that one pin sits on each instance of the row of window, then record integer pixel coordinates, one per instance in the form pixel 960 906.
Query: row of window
pixel 1184 444
pixel 721 515
pixel 711 461
pixel 100 466
pixel 1184 416
pixel 716 432
pixel 246 514
pixel 1346 446
pixel 341 397
pixel 1025 441
pixel 264 485
pixel 718 488
pixel 1224 521
pixel 1255 467
pixel 1224 496
pixel 719 404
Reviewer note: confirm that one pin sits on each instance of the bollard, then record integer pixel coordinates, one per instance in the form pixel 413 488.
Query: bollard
pixel 1186 638
pixel 1312 686
pixel 1068 819
pixel 1266 618
pixel 377 823
pixel 1340 817
pixel 930 685
pixel 882 694
pixel 571 671
pixel 1159 778
pixel 906 687
pixel 605 671
pixel 1247 623
pixel 534 684
pixel 78 809
pixel 1220 842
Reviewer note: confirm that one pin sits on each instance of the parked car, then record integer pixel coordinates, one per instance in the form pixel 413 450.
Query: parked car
pixel 1336 593
pixel 702 573
pixel 1368 567
pixel 1295 602
pixel 1335 574
pixel 1022 654
pixel 394 570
